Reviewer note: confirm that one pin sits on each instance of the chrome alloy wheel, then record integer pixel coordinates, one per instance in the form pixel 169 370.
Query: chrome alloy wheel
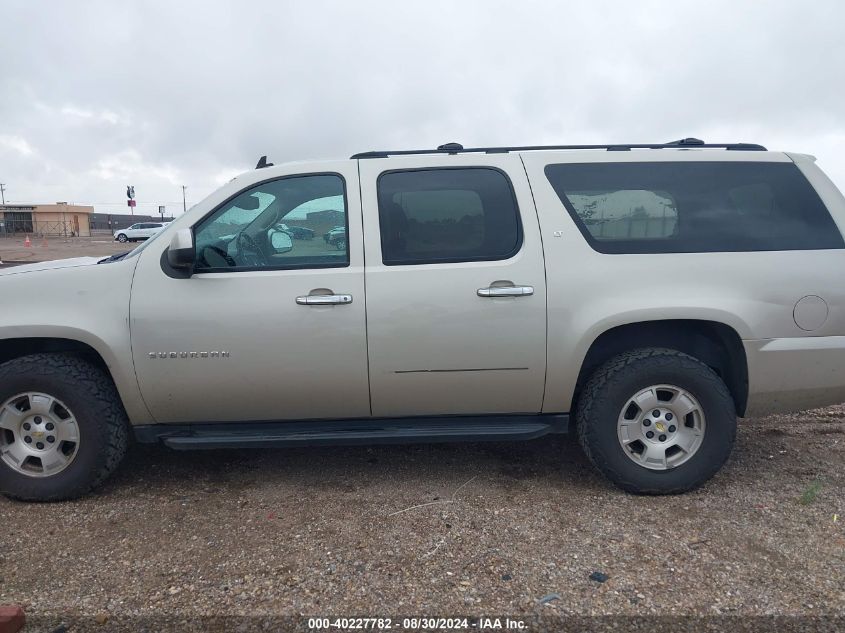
pixel 661 427
pixel 39 436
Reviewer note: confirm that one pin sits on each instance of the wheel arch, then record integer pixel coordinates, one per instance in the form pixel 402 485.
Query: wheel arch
pixel 12 348
pixel 714 343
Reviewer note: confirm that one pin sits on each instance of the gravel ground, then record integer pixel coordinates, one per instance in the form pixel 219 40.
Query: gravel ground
pixel 439 530
pixel 442 530
pixel 13 249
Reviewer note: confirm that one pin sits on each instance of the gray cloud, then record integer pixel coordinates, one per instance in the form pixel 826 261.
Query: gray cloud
pixel 100 94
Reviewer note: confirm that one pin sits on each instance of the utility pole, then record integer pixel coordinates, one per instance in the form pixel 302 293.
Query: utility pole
pixel 184 200
pixel 3 192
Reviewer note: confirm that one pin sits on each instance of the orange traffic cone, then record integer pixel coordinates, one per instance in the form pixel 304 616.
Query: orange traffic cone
pixel 27 242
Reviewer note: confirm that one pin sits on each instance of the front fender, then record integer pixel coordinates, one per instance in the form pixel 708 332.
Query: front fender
pixel 87 304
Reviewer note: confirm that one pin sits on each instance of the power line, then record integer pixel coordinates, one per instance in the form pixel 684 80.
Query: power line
pixel 120 203
pixel 123 202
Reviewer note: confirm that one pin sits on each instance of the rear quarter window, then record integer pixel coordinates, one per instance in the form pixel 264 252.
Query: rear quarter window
pixel 684 207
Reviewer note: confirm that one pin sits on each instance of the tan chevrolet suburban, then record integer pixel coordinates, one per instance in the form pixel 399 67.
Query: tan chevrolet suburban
pixel 641 295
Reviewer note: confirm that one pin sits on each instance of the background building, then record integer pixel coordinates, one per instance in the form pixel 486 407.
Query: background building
pixel 57 220
pixel 110 222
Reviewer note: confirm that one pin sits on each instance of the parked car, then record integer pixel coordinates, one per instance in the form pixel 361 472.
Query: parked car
pixel 642 296
pixel 301 233
pixel 336 237
pixel 296 232
pixel 139 231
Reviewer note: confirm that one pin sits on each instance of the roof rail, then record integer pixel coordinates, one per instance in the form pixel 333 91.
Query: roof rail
pixel 457 148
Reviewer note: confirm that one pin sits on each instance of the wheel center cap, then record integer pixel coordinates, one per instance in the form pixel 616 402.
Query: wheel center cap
pixel 660 427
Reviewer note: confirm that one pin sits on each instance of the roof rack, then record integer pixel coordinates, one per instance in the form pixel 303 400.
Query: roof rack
pixel 457 148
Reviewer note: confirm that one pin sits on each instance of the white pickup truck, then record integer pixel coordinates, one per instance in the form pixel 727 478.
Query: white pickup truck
pixel 643 295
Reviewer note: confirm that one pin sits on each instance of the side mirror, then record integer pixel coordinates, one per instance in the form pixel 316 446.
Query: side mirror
pixel 280 241
pixel 182 254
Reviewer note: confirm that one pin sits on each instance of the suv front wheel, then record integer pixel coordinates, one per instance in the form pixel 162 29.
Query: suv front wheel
pixel 656 421
pixel 63 429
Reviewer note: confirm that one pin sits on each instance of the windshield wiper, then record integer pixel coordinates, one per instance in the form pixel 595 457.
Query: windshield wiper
pixel 114 258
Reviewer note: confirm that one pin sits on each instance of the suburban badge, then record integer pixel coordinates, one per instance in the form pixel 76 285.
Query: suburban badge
pixel 215 354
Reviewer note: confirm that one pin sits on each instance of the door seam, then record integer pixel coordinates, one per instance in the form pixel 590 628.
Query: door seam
pixel 366 311
pixel 545 281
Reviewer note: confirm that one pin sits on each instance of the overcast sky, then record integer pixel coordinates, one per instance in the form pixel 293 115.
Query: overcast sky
pixel 98 95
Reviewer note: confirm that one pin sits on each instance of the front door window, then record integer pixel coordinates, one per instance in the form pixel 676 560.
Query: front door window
pixel 292 222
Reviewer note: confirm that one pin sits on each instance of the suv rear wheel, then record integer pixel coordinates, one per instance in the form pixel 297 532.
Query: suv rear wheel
pixel 656 421
pixel 63 429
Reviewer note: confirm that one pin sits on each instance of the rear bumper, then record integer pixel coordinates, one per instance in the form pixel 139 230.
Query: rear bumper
pixel 793 374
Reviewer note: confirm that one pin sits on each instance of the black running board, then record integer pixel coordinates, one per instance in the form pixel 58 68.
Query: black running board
pixel 352 432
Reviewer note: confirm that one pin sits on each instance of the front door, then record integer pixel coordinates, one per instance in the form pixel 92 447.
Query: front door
pixel 456 297
pixel 269 326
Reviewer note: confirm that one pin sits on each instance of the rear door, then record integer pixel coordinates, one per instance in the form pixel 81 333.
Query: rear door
pixel 456 299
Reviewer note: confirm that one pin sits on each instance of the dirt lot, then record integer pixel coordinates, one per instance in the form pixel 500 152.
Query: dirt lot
pixel 14 250
pixel 440 530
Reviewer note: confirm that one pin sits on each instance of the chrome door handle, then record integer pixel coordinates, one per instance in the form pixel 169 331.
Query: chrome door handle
pixel 324 300
pixel 506 291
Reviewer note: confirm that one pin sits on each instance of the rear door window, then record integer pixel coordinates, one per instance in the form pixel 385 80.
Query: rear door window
pixel 430 216
pixel 665 207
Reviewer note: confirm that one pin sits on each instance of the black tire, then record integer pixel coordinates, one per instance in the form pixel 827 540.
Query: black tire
pixel 103 426
pixel 601 401
pixel 122 238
